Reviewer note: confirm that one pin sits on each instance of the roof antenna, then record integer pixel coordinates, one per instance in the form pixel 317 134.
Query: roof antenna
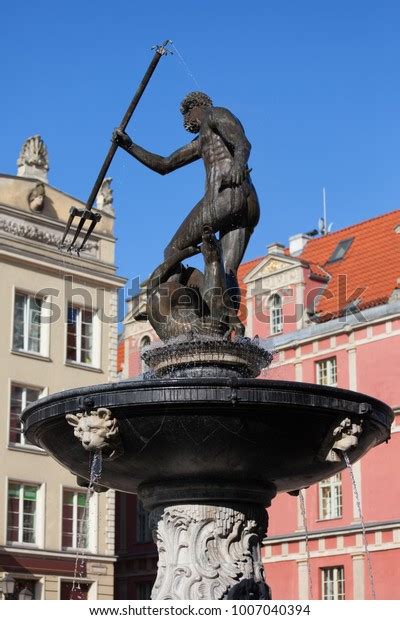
pixel 323 226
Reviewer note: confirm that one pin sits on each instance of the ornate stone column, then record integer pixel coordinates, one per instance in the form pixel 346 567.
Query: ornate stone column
pixel 207 549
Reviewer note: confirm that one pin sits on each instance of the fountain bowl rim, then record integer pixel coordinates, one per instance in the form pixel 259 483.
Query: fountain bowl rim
pixel 71 399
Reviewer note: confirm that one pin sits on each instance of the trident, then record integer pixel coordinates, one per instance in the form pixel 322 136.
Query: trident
pixel 86 213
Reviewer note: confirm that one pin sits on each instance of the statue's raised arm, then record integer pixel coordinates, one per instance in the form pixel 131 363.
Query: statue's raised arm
pixel 163 165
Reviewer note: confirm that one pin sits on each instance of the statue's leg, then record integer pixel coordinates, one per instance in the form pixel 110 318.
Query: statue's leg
pixel 190 232
pixel 214 283
pixel 234 244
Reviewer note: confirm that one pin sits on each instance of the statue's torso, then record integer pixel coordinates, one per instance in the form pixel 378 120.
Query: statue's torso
pixel 215 154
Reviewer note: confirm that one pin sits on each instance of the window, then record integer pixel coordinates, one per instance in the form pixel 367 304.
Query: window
pixel 340 250
pixel 143 590
pixel 22 513
pixel 80 335
pixel 24 586
pixel 276 314
pixel 144 533
pixel 27 323
pixel 145 342
pixel 74 520
pixel 330 497
pixel 21 397
pixel 333 583
pixel 79 593
pixel 327 371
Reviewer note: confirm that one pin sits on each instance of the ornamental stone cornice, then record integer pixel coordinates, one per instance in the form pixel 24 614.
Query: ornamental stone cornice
pixel 276 270
pixel 40 233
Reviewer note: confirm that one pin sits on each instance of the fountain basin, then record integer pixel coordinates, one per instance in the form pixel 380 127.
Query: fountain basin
pixel 241 439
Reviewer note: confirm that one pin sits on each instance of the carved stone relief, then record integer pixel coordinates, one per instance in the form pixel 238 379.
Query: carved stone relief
pixel 209 552
pixel 97 431
pixel 20 228
pixel 36 197
pixel 346 435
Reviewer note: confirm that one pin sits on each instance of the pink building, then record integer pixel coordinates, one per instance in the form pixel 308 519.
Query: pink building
pixel 329 307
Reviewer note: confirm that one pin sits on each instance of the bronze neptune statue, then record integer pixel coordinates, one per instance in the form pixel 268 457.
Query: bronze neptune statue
pixel 203 442
pixel 228 208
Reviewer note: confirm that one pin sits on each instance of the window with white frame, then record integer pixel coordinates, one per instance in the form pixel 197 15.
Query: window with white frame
pixel 80 342
pixel 275 304
pixel 75 530
pixel 145 342
pixel 21 396
pixel 332 581
pixel 327 371
pixel 27 334
pixel 80 592
pixel 330 497
pixel 22 512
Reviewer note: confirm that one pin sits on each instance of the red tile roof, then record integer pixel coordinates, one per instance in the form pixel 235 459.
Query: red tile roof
pixel 369 270
pixel 367 274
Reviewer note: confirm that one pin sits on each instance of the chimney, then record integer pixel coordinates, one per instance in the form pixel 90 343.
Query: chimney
pixel 275 248
pixel 297 243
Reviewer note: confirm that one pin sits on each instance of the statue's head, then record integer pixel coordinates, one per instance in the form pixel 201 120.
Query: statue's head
pixel 192 109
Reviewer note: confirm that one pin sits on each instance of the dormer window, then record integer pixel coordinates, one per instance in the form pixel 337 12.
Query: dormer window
pixel 340 250
pixel 276 316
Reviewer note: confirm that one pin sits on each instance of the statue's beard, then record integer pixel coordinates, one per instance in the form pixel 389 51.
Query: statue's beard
pixel 191 126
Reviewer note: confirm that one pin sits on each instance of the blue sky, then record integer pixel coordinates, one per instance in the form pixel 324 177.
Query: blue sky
pixel 315 84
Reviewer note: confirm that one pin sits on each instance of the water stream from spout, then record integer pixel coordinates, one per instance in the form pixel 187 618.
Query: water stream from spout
pixel 361 517
pixel 303 513
pixel 95 469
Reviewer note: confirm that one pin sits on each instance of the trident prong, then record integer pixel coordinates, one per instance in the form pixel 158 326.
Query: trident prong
pixel 83 214
pixel 86 214
pixel 163 49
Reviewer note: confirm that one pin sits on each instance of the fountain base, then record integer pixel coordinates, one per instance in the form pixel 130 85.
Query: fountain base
pixel 208 538
pixel 207 357
pixel 209 552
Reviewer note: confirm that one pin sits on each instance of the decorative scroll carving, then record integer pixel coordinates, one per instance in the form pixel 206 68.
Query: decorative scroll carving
pixel 104 201
pixel 28 231
pixel 97 431
pixel 346 435
pixel 209 552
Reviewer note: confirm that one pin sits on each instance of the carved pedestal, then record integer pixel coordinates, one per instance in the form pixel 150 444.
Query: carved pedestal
pixel 208 549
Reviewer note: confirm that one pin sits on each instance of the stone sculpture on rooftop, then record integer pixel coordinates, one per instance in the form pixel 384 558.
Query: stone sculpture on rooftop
pixel 33 160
